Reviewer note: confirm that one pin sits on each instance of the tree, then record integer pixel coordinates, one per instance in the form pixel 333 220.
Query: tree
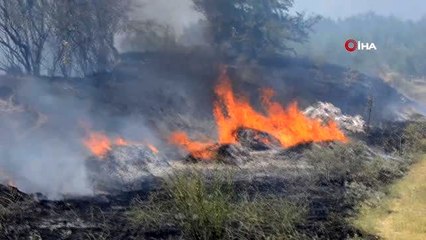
pixel 24 30
pixel 253 27
pixel 84 34
pixel 67 37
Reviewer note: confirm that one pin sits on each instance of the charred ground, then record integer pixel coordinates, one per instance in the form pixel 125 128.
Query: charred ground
pixel 324 181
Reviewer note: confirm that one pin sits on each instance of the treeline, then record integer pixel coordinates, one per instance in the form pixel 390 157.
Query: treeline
pixel 76 37
pixel 401 44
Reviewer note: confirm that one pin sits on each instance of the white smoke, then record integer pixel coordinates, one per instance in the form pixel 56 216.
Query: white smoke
pixel 178 14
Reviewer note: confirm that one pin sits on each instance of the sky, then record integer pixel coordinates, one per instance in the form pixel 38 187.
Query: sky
pixel 180 13
pixel 407 10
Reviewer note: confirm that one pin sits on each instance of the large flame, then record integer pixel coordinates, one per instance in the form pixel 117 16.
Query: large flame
pixel 290 126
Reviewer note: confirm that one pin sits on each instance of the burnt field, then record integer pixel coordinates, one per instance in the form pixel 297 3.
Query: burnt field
pixel 200 119
pixel 203 150
pixel 304 192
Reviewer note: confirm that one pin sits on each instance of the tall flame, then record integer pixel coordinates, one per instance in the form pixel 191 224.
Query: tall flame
pixel 290 126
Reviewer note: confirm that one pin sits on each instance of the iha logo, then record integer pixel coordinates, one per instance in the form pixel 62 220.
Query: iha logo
pixel 352 45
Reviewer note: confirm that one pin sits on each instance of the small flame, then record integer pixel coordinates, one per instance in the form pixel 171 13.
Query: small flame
pixel 99 144
pixel 121 142
pixel 153 148
pixel 197 149
pixel 290 126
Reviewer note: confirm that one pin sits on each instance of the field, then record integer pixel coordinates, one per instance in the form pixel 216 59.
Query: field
pixel 402 214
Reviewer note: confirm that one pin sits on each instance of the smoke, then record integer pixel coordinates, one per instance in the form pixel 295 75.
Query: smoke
pixel 412 10
pixel 162 24
pixel 178 14
pixel 40 151
pixel 43 125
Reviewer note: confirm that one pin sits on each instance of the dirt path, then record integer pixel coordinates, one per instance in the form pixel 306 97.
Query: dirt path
pixel 403 214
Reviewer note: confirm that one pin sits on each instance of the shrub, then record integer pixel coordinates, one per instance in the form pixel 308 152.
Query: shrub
pixel 207 208
pixel 267 218
pixel 415 137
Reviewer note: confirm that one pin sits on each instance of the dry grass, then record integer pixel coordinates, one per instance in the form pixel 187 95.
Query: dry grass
pixel 402 214
pixel 203 207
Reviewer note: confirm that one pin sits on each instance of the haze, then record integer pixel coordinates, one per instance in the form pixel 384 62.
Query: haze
pixel 407 10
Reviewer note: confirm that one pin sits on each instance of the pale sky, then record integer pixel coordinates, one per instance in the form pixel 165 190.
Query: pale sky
pixel 180 13
pixel 404 9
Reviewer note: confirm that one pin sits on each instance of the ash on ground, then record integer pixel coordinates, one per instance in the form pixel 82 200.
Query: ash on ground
pixel 327 111
pixel 128 167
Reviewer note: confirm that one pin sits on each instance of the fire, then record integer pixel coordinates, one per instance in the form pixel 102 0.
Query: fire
pixel 289 125
pixel 153 148
pixel 197 149
pixel 121 142
pixel 98 143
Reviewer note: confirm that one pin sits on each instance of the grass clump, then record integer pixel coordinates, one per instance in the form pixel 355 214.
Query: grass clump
pixel 354 162
pixel 13 207
pixel 201 207
pixel 415 138
pixel 267 218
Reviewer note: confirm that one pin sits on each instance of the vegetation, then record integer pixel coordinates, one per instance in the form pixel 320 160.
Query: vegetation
pixel 401 47
pixel 201 206
pixel 399 213
pixel 252 27
pixel 208 208
pixel 415 138
pixel 59 37
pixel 13 207
pixel 353 163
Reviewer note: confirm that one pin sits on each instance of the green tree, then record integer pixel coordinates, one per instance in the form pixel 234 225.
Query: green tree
pixel 253 27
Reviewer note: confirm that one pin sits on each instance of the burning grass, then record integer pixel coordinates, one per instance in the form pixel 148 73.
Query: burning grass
pixel 99 143
pixel 289 126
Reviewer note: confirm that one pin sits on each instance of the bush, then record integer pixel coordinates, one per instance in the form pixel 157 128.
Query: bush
pixel 267 218
pixel 415 137
pixel 354 162
pixel 208 208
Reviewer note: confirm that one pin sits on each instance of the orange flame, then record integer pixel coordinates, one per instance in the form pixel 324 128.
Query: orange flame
pixel 121 142
pixel 153 148
pixel 197 149
pixel 290 126
pixel 99 144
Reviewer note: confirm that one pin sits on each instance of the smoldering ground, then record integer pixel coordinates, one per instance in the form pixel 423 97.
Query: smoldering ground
pixel 43 128
pixel 149 94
